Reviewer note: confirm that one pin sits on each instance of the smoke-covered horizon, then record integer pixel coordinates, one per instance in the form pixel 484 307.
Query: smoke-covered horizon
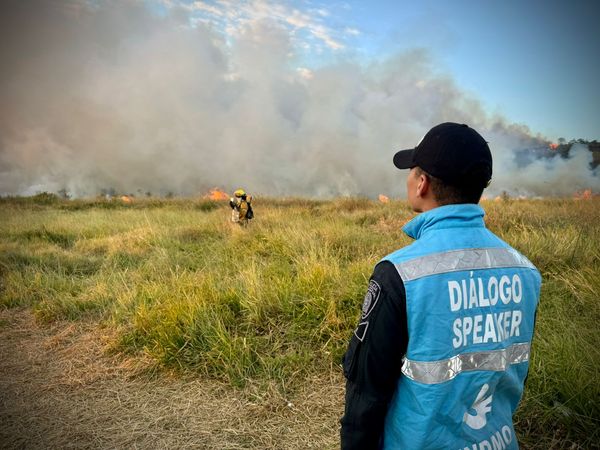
pixel 111 95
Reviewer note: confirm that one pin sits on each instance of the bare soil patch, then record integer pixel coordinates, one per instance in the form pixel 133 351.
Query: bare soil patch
pixel 60 389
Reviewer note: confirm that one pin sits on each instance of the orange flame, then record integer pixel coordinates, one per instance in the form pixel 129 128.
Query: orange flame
pixel 583 195
pixel 217 194
pixel 553 146
pixel 126 199
pixel 383 198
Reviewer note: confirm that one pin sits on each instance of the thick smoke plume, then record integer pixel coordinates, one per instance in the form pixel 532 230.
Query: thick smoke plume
pixel 112 95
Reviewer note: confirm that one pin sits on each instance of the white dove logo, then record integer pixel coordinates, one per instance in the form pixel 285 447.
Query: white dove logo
pixel 482 406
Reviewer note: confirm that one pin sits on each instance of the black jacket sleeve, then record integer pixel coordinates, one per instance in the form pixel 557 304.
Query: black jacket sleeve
pixel 373 360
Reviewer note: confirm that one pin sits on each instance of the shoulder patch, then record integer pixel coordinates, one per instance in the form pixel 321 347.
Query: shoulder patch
pixel 371 298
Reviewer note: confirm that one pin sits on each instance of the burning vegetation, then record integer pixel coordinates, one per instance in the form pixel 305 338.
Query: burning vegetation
pixel 586 194
pixel 217 194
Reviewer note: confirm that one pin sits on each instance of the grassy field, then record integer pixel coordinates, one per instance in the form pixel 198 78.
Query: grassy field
pixel 276 302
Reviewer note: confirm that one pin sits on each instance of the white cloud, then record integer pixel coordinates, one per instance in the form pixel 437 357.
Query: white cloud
pixel 298 19
pixel 195 21
pixel 201 6
pixel 305 73
pixel 231 16
pixel 232 30
pixel 322 33
pixel 352 31
pixel 322 12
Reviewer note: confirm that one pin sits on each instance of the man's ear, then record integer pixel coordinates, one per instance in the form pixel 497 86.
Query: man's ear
pixel 423 185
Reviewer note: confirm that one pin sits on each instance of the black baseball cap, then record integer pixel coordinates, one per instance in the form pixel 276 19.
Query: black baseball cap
pixel 452 152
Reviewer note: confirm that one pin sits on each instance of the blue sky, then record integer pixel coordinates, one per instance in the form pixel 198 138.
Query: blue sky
pixel 535 62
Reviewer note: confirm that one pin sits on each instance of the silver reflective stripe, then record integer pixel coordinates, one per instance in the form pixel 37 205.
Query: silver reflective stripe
pixel 456 260
pixel 433 372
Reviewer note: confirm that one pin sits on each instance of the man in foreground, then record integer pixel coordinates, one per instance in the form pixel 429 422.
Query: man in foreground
pixel 441 352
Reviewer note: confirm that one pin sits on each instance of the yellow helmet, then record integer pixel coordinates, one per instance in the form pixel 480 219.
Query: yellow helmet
pixel 239 193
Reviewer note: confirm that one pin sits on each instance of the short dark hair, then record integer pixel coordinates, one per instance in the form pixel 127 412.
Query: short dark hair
pixel 449 194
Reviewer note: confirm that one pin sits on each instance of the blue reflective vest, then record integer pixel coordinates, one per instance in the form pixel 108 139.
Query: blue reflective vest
pixel 471 302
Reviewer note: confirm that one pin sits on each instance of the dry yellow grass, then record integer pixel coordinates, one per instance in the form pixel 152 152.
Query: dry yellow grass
pixel 59 389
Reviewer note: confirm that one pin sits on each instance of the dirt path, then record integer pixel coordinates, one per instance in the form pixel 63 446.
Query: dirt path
pixel 59 389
